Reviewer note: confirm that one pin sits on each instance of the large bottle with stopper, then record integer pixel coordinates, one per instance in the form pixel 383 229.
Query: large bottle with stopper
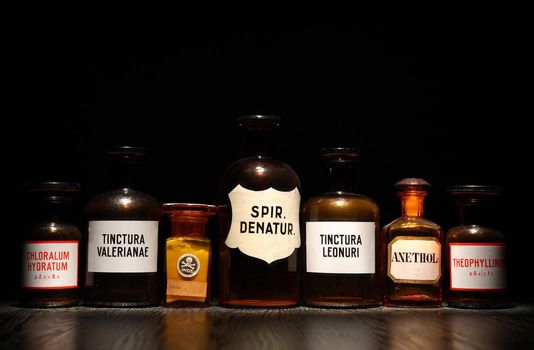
pixel 260 231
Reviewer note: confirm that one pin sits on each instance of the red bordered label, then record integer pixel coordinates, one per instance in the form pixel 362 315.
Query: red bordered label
pixel 477 266
pixel 50 264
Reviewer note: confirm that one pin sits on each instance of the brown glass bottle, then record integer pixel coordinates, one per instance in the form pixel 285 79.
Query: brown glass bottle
pixel 122 243
pixel 188 255
pixel 259 225
pixel 476 250
pixel 51 245
pixel 411 251
pixel 341 265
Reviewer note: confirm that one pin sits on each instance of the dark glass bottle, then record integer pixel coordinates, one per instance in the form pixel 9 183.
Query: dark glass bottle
pixel 122 246
pixel 51 247
pixel 260 230
pixel 411 251
pixel 341 240
pixel 188 255
pixel 476 250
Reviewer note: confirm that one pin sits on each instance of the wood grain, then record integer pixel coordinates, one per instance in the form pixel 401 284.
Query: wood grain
pixel 298 328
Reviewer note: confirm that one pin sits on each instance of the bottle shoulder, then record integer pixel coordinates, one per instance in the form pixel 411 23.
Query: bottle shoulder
pixel 474 233
pixel 53 231
pixel 259 173
pixel 411 222
pixel 123 204
pixel 341 206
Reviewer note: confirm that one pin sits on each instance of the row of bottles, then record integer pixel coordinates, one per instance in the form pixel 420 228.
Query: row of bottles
pixel 272 252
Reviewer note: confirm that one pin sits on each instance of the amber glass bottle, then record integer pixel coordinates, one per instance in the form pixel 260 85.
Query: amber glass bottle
pixel 51 247
pixel 476 250
pixel 259 225
pixel 341 266
pixel 188 254
pixel 122 245
pixel 411 251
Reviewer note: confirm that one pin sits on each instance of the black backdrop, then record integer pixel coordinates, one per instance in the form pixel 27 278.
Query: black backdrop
pixel 438 99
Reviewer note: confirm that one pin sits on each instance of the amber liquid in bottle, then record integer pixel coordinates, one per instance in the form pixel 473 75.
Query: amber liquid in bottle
pixel 122 244
pixel 188 255
pixel 51 247
pixel 339 254
pixel 411 252
pixel 259 226
pixel 476 250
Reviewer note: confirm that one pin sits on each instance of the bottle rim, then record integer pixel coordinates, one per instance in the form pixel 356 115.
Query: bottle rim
pixel 484 189
pixel 199 207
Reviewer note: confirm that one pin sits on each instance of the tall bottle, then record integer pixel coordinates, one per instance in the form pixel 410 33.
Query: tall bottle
pixel 341 265
pixel 260 230
pixel 476 250
pixel 51 246
pixel 411 251
pixel 122 244
pixel 188 255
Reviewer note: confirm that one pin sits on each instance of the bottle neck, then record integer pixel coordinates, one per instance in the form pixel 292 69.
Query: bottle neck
pixel 478 213
pixel 54 211
pixel 341 178
pixel 412 203
pixel 258 143
pixel 125 175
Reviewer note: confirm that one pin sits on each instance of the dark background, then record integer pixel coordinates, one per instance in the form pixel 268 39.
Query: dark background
pixel 424 97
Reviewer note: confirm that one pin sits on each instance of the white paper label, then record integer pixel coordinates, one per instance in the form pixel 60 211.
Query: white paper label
pixel 414 259
pixel 340 247
pixel 477 266
pixel 50 264
pixel 265 224
pixel 122 246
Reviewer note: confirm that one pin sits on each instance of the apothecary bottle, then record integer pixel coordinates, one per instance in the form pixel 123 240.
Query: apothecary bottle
pixel 411 251
pixel 476 250
pixel 188 255
pixel 260 231
pixel 51 246
pixel 341 265
pixel 122 242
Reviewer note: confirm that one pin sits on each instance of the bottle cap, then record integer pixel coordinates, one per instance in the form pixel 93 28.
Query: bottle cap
pixel 259 122
pixel 340 155
pixel 412 183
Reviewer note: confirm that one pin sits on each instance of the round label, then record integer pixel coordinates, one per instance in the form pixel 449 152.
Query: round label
pixel 188 265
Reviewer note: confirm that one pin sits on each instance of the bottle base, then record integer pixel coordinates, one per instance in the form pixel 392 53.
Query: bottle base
pixel 49 304
pixel 254 303
pixel 342 303
pixel 479 306
pixel 121 303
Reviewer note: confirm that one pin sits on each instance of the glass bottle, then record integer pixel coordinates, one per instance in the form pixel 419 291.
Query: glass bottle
pixel 411 251
pixel 188 254
pixel 122 246
pixel 260 230
pixel 341 266
pixel 50 249
pixel 476 250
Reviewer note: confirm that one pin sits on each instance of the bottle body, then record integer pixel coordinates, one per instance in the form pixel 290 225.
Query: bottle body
pixel 260 234
pixel 188 255
pixel 476 261
pixel 51 250
pixel 122 250
pixel 476 250
pixel 341 237
pixel 412 262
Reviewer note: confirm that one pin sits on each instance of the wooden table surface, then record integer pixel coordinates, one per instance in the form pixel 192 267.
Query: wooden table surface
pixel 297 328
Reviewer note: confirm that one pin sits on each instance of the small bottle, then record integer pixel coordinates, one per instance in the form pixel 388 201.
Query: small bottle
pixel 411 251
pixel 476 250
pixel 50 250
pixel 341 266
pixel 122 243
pixel 188 254
pixel 260 230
